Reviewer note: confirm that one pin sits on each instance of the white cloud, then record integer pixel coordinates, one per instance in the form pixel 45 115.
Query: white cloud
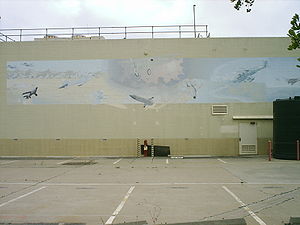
pixel 267 18
pixel 69 7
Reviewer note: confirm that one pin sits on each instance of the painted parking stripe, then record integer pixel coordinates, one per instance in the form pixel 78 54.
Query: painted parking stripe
pixel 119 208
pixel 117 161
pixel 22 196
pixel 69 160
pixel 222 161
pixel 167 161
pixel 8 162
pixel 245 207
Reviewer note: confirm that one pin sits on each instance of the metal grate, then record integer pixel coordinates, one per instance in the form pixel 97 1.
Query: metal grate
pixel 248 149
pixel 219 109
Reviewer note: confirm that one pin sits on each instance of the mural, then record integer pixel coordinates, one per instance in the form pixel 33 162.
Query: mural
pixel 150 81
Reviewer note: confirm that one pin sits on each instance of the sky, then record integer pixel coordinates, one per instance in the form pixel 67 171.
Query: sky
pixel 268 18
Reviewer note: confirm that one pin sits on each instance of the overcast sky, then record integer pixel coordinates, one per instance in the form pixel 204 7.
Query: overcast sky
pixel 267 18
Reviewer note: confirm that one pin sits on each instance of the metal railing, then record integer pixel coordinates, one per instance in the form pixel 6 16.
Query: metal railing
pixel 126 32
pixel 5 38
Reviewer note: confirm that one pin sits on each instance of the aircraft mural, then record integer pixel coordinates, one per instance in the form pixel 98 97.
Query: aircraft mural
pixel 151 81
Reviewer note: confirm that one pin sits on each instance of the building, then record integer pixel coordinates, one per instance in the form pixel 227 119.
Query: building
pixel 204 96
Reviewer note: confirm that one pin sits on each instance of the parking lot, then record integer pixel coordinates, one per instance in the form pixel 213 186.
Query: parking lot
pixel 158 190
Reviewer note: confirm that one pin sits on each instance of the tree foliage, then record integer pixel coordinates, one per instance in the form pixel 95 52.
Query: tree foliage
pixel 294 34
pixel 239 3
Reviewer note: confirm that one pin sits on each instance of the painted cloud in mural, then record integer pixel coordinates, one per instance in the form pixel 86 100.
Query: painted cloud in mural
pixel 158 80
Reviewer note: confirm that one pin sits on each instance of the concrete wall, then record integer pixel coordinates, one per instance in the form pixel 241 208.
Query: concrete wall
pixel 189 129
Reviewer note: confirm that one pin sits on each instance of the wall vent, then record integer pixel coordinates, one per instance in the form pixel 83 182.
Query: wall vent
pixel 248 149
pixel 219 109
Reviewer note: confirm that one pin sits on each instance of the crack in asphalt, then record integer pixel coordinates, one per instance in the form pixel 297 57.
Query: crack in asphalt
pixel 266 201
pixel 40 182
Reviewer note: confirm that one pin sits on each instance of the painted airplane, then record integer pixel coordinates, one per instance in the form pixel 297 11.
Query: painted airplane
pixel 292 81
pixel 247 75
pixel 147 102
pixel 79 82
pixel 28 64
pixel 11 67
pixel 28 94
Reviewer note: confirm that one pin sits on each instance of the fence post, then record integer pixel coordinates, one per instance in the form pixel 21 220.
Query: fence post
pixel 152 31
pixel 298 153
pixel 20 34
pixel 270 150
pixel 179 31
pixel 72 33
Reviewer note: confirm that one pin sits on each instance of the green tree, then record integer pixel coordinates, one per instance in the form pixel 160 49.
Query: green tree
pixel 294 34
pixel 294 31
pixel 239 3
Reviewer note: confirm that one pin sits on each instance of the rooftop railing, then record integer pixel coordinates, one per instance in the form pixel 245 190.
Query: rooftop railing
pixel 5 38
pixel 127 32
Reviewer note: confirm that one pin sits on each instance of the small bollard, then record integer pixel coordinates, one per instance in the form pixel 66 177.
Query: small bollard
pixel 145 148
pixel 298 153
pixel 270 150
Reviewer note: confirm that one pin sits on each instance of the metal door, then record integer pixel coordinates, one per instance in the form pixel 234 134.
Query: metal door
pixel 248 138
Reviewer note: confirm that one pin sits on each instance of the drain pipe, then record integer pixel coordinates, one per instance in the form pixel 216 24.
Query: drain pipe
pixel 145 148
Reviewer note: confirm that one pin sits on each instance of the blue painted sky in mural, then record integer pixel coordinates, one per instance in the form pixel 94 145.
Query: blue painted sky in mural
pixel 162 79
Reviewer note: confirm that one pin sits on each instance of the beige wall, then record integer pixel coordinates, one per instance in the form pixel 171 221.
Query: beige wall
pixel 189 129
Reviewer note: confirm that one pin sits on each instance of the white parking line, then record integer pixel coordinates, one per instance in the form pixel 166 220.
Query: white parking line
pixel 8 162
pixel 251 213
pixel 65 161
pixel 22 196
pixel 222 161
pixel 119 208
pixel 167 161
pixel 117 161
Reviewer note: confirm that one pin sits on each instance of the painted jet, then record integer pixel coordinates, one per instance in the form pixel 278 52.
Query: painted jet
pixel 11 67
pixel 247 75
pixel 28 64
pixel 292 81
pixel 147 102
pixel 79 82
pixel 28 94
